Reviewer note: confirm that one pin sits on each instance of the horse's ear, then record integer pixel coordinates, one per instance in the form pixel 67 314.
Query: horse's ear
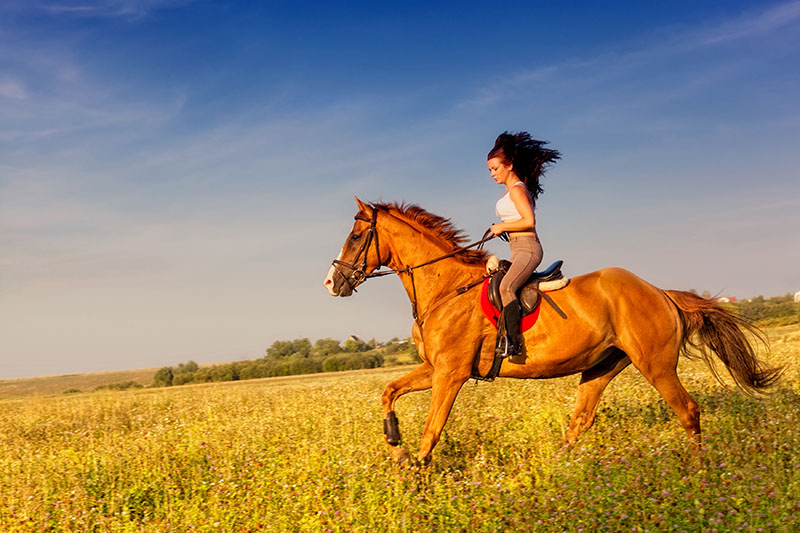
pixel 362 207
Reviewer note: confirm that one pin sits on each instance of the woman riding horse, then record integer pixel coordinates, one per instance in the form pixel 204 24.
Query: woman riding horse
pixel 614 319
pixel 518 162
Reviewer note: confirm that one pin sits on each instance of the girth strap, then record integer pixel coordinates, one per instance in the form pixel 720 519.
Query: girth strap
pixel 552 304
pixel 492 373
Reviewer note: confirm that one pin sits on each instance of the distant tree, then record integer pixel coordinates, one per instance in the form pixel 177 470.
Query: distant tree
pixel 163 377
pixel 280 349
pixel 303 365
pixel 353 346
pixel 352 361
pixel 189 367
pixel 286 348
pixel 223 373
pixel 302 347
pixel 281 368
pixel 706 295
pixel 325 347
pixel 184 378
pixel 253 370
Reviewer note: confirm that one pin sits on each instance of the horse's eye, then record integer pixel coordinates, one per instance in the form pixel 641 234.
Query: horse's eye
pixel 354 238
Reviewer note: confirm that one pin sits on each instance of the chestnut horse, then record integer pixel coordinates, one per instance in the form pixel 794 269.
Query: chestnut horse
pixel 614 319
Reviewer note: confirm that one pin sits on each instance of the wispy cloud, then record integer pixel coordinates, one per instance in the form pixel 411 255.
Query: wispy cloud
pixel 49 93
pixel 129 9
pixel 750 24
pixel 12 89
pixel 674 50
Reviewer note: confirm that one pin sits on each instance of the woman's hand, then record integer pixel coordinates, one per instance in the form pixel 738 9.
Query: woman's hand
pixel 496 229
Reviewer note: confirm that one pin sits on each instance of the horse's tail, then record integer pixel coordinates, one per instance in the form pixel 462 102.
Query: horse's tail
pixel 726 334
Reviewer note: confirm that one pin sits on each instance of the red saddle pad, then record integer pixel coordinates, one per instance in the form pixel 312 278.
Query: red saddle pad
pixel 493 314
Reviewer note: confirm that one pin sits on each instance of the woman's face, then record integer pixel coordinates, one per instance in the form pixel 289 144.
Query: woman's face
pixel 499 170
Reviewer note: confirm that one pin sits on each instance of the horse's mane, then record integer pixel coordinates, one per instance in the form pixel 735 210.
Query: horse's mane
pixel 438 227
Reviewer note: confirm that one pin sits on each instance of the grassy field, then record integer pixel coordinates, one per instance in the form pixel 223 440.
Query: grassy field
pixel 307 454
pixel 47 385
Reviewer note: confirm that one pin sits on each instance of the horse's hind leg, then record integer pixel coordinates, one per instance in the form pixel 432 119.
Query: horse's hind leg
pixel 665 380
pixel 659 366
pixel 593 383
pixel 418 379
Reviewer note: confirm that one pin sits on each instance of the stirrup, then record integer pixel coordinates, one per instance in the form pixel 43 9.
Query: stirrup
pixel 501 349
pixel 504 348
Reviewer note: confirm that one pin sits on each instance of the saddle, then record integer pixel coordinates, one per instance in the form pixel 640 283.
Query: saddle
pixel 549 279
pixel 538 283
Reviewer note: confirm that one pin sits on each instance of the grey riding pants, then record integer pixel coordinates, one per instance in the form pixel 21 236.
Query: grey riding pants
pixel 526 254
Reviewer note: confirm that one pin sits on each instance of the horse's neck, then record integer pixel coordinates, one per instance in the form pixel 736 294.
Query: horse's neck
pixel 411 247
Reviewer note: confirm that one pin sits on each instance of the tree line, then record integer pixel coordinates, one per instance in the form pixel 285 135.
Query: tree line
pixel 300 356
pixel 765 312
pixel 775 311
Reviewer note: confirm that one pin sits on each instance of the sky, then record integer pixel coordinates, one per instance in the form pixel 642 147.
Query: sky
pixel 176 176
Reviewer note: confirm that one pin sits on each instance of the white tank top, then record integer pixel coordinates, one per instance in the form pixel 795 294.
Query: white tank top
pixel 505 208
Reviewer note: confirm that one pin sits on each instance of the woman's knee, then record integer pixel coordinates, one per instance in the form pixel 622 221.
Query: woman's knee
pixel 507 292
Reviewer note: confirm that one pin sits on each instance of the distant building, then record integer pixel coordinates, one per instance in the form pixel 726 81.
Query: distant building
pixel 727 299
pixel 354 338
pixel 797 296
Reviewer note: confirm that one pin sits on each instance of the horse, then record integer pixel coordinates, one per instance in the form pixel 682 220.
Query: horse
pixel 613 319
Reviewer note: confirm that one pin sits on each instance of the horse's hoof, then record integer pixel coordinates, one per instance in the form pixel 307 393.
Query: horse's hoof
pixel 401 456
pixel 568 444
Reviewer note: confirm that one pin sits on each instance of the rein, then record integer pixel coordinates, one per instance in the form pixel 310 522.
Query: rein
pixel 359 274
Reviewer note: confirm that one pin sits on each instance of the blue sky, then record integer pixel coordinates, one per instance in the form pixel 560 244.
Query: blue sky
pixel 176 176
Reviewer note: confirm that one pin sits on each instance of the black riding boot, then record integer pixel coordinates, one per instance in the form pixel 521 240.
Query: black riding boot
pixel 509 337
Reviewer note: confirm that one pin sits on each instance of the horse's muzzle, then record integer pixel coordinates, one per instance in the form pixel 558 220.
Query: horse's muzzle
pixel 337 284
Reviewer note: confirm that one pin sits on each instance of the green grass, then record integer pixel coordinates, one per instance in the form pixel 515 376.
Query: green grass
pixel 307 454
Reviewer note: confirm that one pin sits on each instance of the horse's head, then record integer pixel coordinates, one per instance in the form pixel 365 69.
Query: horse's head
pixel 360 254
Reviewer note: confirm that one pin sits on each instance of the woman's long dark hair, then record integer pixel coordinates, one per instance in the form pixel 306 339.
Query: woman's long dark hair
pixel 527 156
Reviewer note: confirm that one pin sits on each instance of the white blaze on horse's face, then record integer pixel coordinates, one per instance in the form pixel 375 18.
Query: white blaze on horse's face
pixel 329 278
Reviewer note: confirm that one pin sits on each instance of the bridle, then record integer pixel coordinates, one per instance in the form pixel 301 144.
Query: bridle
pixel 359 272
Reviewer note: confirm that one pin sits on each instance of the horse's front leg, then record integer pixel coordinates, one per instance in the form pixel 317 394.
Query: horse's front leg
pixel 446 386
pixel 417 379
